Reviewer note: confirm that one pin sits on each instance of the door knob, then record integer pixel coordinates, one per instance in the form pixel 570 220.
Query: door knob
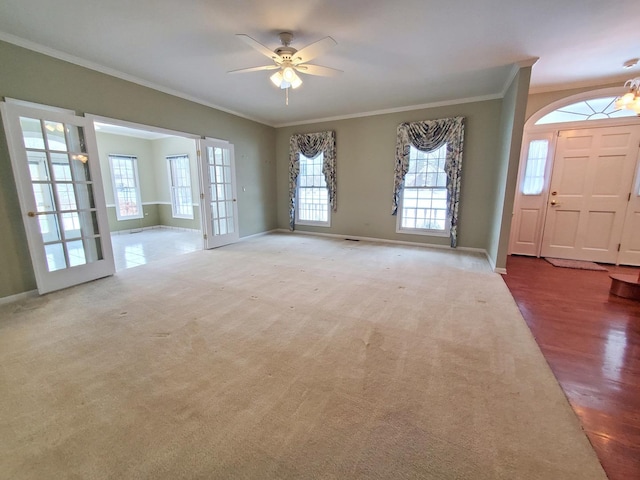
pixel 31 214
pixel 554 203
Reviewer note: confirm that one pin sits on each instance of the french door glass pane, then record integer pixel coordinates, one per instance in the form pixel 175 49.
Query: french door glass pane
pixel 63 192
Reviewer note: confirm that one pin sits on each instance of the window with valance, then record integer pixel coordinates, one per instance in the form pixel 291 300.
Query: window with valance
pixel 311 146
pixel 414 140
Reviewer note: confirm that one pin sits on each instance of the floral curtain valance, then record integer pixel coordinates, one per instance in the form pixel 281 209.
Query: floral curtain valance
pixel 310 145
pixel 428 136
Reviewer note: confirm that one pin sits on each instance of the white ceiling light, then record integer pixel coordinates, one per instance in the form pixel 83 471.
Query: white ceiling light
pixel 288 61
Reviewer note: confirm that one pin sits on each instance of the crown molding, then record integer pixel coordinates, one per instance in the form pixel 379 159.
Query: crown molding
pixel 51 52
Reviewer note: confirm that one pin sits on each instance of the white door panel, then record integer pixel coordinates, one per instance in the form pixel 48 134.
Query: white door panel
pixel 55 164
pixel 530 204
pixel 219 205
pixel 592 176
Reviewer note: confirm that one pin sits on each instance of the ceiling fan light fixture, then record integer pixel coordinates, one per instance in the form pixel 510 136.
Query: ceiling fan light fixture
pixel 296 82
pixel 276 78
pixel 289 74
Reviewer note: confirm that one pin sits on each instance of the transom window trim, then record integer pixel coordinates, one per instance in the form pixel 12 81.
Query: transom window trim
pixel 427 136
pixel 126 186
pixel 312 196
pixel 180 185
pixel 310 145
pixel 598 108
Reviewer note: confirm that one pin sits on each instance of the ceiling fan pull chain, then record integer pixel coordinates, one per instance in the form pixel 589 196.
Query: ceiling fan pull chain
pixel 286 96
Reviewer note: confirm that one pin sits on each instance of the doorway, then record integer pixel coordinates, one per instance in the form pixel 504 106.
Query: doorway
pixel 151 184
pixel 58 172
pixel 578 195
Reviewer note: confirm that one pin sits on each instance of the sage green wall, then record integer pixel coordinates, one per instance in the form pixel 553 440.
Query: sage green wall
pixel 109 144
pixel 365 168
pixel 34 77
pixel 151 218
pixel 512 120
pixel 162 148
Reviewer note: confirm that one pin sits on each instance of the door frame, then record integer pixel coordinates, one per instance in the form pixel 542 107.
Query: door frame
pixel 532 131
pixel 46 280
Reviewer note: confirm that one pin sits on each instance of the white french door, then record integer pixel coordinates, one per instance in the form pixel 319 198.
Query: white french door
pixel 219 205
pixel 57 174
pixel 592 177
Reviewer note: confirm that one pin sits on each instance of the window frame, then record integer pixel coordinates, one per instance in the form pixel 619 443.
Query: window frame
pixel 446 232
pixel 311 223
pixel 173 188
pixel 136 179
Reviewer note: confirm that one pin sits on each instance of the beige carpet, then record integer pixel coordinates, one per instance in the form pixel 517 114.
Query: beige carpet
pixel 284 356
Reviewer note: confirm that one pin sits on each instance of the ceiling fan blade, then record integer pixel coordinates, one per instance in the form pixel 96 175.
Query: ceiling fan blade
pixel 313 50
pixel 318 70
pixel 259 47
pixel 255 69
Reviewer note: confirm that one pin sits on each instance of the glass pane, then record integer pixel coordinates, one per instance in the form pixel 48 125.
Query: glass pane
pixel 38 167
pixel 214 210
pixel 220 190
pixel 80 168
pixel 222 212
pixel 216 228
pixel 230 225
pixel 55 136
pixel 76 139
pixel 55 257
pixel 71 225
pixel 228 191
pixel 223 227
pixel 534 171
pixel 76 253
pixel 84 196
pixel 49 228
pixel 92 249
pixel 88 223
pixel 66 196
pixel 61 169
pixel 31 133
pixel 44 197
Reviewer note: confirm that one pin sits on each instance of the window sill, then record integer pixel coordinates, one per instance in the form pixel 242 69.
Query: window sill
pixel 429 233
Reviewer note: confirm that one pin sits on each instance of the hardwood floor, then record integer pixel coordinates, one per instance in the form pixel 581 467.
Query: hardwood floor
pixel 591 340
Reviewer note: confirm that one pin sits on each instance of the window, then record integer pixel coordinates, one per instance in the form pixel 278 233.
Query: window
pixel 126 189
pixel 180 180
pixel 593 109
pixel 424 196
pixel 312 195
pixel 533 182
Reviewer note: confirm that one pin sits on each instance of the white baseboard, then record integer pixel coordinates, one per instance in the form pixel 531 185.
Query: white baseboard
pixel 248 237
pixel 18 296
pixel 153 227
pixel 481 251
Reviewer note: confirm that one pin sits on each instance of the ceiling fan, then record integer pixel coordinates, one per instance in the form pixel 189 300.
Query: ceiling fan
pixel 287 60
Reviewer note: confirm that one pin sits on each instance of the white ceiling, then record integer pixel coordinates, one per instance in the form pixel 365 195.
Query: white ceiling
pixel 394 54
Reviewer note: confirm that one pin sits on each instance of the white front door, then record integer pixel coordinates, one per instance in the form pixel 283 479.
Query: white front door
pixel 219 205
pixel 590 185
pixel 57 173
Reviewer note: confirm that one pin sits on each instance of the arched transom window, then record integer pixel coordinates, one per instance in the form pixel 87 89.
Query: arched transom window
pixel 585 110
